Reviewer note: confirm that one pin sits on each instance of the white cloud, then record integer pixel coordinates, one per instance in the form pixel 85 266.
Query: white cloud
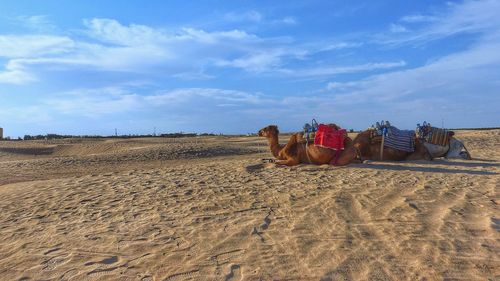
pixel 341 86
pixel 143 49
pixel 114 100
pixel 397 28
pixel 445 81
pixel 39 23
pixel 194 75
pixel 215 37
pixel 323 71
pixel 289 20
pixel 111 31
pixel 252 16
pixel 468 17
pixel 93 103
pixel 16 46
pixel 341 45
pixel 461 88
pixel 272 61
pixel 15 77
pixel 187 48
pixel 256 17
pixel 266 61
pixel 417 18
pixel 26 114
pixel 186 109
pixel 114 49
pixel 334 85
pixel 15 74
pixel 132 48
pixel 188 94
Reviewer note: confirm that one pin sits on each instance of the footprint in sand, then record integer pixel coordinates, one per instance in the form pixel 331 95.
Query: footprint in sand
pixel 52 250
pixel 54 262
pixel 267 221
pixel 183 275
pixel 225 257
pixel 234 273
pixel 412 204
pixel 107 261
pixel 264 226
pixel 495 224
pixel 103 266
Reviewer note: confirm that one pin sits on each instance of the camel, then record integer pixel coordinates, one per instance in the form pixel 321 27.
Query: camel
pixel 271 133
pixel 366 148
pixel 455 149
pixel 297 151
pixel 361 148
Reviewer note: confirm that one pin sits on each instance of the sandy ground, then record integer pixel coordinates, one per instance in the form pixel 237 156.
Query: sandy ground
pixel 209 209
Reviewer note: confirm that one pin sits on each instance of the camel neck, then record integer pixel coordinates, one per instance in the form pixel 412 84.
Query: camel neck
pixel 274 145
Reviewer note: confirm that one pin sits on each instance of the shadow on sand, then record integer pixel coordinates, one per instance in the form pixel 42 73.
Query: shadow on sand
pixel 398 167
pixel 28 151
pixel 470 163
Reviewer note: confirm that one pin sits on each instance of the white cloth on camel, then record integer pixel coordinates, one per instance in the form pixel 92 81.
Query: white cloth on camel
pixel 456 147
pixel 436 150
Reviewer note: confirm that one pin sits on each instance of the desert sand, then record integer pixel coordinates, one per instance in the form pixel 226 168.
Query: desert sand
pixel 208 208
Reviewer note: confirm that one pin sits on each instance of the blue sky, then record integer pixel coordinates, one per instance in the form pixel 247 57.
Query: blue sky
pixel 88 67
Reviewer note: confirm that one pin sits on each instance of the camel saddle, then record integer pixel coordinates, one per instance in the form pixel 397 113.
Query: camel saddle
pixel 433 135
pixel 330 137
pixel 393 137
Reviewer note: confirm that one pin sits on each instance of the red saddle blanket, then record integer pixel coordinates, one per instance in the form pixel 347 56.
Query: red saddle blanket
pixel 329 137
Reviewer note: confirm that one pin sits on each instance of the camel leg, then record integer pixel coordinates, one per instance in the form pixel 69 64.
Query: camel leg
pixel 290 149
pixel 358 158
pixel 420 153
pixel 347 156
pixel 288 162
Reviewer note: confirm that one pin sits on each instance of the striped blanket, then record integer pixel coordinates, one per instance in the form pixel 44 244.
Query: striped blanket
pixel 437 136
pixel 433 135
pixel 400 139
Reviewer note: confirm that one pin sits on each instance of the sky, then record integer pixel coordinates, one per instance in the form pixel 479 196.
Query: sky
pixel 233 67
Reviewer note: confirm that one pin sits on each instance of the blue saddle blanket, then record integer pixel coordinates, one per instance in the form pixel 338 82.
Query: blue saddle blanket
pixel 400 139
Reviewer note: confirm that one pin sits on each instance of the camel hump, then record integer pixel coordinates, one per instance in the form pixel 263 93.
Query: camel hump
pixel 334 126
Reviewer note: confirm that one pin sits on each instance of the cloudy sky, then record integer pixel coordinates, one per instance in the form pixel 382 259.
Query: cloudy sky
pixel 88 67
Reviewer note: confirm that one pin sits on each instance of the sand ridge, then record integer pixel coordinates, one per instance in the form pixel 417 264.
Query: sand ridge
pixel 224 215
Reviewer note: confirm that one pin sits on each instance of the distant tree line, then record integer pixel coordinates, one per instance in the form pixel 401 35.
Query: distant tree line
pixel 167 135
pixel 476 129
pixel 57 136
pixel 46 137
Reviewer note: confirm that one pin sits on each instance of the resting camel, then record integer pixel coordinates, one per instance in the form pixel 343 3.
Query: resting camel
pixel 297 151
pixel 271 133
pixel 454 149
pixel 367 148
pixel 362 148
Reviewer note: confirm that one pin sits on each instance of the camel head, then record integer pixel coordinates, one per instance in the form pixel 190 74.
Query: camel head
pixel 269 131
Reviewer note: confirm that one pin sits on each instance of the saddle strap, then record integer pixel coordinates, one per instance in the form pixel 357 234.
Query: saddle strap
pixel 333 162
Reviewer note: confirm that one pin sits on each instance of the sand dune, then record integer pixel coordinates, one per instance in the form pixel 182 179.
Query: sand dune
pixel 208 209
